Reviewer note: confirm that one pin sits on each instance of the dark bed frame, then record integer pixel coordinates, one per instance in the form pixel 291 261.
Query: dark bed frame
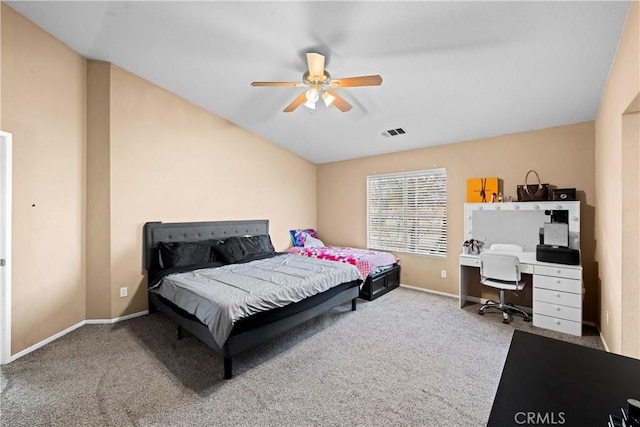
pixel 380 281
pixel 249 332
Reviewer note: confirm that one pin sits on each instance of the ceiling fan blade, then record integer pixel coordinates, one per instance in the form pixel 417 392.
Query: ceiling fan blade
pixel 315 61
pixel 296 103
pixel 339 102
pixel 291 84
pixel 357 81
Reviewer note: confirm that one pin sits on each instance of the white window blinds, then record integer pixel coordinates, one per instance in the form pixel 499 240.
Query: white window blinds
pixel 407 212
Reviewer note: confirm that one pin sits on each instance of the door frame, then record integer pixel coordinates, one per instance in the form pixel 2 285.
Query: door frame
pixel 5 246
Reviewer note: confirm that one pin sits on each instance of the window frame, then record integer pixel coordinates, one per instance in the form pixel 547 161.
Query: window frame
pixel 434 250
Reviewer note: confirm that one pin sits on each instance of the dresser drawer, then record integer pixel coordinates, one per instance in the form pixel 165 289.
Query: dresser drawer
pixel 569 273
pixel 557 324
pixel 557 310
pixel 558 283
pixel 557 297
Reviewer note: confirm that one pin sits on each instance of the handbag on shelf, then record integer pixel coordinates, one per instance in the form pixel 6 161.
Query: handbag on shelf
pixel 532 192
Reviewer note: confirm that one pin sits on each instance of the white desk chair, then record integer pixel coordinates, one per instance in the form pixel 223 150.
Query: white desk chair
pixel 502 271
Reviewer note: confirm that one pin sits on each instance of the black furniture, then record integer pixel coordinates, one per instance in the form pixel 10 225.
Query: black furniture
pixel 247 332
pixel 551 382
pixel 380 281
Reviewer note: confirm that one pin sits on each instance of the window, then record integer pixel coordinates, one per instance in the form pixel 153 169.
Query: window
pixel 407 212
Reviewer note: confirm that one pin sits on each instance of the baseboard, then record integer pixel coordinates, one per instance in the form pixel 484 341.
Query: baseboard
pixel 60 334
pixel 115 319
pixel 476 299
pixel 46 341
pixel 429 291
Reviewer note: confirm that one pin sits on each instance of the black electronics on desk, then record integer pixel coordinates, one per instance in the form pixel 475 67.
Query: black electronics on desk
pixel 557 255
pixel 554 240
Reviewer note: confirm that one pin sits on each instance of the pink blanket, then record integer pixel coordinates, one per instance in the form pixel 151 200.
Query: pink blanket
pixel 365 260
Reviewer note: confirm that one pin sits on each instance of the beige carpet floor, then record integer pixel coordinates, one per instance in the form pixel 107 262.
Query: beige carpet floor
pixel 407 359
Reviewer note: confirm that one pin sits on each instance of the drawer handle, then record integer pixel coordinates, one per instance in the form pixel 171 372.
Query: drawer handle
pixel 558 308
pixel 558 271
pixel 558 281
pixel 557 322
pixel 559 295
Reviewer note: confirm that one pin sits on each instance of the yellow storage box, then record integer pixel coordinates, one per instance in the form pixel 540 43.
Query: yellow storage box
pixel 483 190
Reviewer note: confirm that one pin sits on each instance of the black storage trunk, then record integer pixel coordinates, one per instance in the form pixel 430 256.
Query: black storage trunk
pixel 557 255
pixel 565 194
pixel 380 281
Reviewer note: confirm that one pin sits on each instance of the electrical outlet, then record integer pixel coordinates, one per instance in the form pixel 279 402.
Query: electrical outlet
pixel 443 274
pixel 606 317
pixel 123 292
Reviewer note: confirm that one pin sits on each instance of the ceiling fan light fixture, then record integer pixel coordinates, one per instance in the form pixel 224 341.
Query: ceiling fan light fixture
pixel 328 98
pixel 319 84
pixel 312 95
pixel 308 79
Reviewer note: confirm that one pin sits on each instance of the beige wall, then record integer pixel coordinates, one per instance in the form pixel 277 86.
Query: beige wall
pixel 96 135
pixel 98 191
pixel 44 107
pixel 563 156
pixel 173 161
pixel 622 87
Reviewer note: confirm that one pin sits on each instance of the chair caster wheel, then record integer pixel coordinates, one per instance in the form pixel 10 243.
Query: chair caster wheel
pixel 527 319
pixel 481 313
pixel 505 321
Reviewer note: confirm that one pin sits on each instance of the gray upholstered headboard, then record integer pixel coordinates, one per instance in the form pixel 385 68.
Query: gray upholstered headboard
pixel 155 232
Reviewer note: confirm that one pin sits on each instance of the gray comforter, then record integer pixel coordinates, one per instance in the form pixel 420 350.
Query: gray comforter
pixel 218 297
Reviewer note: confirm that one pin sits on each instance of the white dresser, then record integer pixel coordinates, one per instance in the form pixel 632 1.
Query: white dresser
pixel 557 297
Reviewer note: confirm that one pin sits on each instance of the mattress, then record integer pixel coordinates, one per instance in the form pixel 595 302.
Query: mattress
pixel 218 297
pixel 365 260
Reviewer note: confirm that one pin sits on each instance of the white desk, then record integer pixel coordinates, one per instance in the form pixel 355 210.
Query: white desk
pixel 557 291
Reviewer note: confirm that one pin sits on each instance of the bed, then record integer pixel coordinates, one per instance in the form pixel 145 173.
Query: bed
pixel 379 270
pixel 286 303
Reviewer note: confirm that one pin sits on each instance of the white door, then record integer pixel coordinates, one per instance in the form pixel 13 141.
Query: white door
pixel 5 247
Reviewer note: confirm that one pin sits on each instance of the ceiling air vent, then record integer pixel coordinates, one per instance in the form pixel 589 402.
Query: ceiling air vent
pixel 394 132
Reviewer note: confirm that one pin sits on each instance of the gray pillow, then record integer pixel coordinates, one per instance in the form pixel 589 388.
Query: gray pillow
pixel 181 254
pixel 236 249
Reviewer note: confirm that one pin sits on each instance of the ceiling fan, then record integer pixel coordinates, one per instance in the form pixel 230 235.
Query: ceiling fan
pixel 320 85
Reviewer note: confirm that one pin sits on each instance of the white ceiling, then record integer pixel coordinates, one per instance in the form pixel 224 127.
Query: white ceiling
pixel 452 71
